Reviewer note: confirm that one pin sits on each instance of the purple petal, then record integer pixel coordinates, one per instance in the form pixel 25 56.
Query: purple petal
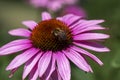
pixel 77 59
pixel 15 43
pixel 13 49
pixel 70 19
pixel 76 25
pixel 90 36
pixel 44 62
pixel 82 51
pixel 91 28
pixel 46 16
pixel 12 72
pixel 20 32
pixel 22 58
pixel 34 73
pixel 86 23
pixel 30 24
pixel 92 46
pixel 50 69
pixel 63 66
pixel 55 76
pixel 30 65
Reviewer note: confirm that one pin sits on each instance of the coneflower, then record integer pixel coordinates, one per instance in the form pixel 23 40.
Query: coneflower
pixel 51 43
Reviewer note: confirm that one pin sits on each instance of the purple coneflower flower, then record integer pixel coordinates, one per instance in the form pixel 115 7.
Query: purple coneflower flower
pixel 50 44
pixel 51 4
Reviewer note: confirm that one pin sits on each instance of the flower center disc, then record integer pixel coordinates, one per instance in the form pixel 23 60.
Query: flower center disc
pixel 51 35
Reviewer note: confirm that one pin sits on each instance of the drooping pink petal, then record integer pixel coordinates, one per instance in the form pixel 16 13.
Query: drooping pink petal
pixel 55 76
pixel 20 32
pixel 90 36
pixel 30 24
pixel 92 46
pixel 13 49
pixel 77 59
pixel 91 28
pixel 50 69
pixel 12 72
pixel 15 43
pixel 63 66
pixel 44 63
pixel 46 16
pixel 30 65
pixel 22 58
pixel 82 51
pixel 34 73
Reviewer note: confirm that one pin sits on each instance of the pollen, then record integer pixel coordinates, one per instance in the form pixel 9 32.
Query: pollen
pixel 51 35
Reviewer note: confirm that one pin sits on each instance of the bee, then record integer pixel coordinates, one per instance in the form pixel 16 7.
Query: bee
pixel 60 34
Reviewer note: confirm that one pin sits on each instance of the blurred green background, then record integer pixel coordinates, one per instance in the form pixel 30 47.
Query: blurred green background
pixel 12 12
